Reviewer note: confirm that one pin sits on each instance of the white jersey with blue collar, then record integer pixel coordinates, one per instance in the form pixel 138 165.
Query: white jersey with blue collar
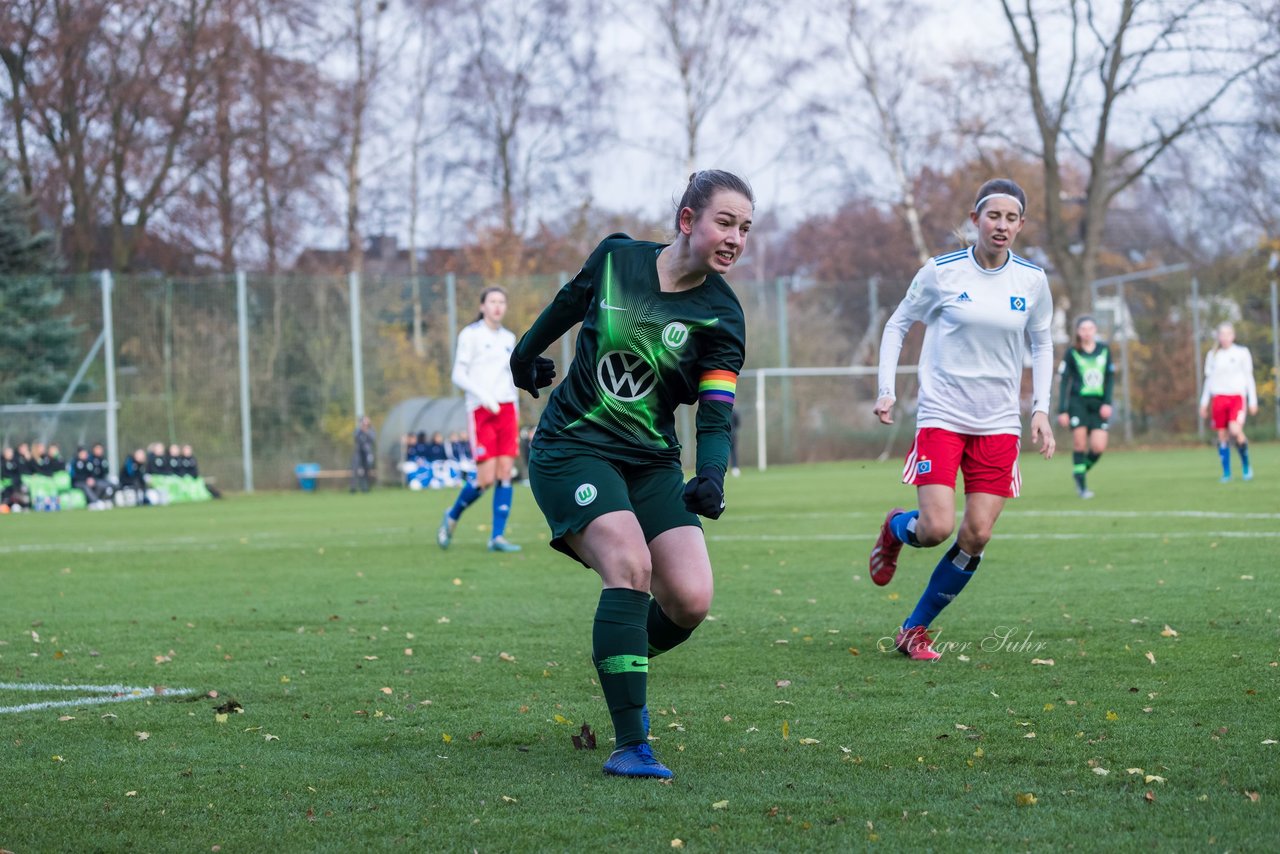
pixel 978 323
pixel 482 365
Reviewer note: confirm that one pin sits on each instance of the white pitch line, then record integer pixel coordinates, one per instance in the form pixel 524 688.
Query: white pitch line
pixel 1119 535
pixel 112 694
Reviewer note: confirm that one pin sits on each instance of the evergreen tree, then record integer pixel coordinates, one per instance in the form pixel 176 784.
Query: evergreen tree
pixel 37 346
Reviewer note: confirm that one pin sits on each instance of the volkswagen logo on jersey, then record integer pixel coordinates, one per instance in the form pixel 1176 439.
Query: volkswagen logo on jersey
pixel 1017 303
pixel 675 335
pixel 585 494
pixel 625 376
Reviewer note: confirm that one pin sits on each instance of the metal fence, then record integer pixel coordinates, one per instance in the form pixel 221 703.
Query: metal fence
pixel 260 374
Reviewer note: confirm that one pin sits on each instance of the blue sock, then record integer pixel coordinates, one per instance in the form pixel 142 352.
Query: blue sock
pixel 949 578
pixel 1244 457
pixel 1224 452
pixel 502 495
pixel 470 492
pixel 903 527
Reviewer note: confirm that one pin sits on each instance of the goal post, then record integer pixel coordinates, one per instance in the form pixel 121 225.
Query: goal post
pixel 861 390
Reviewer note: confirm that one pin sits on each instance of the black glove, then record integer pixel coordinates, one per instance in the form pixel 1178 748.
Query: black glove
pixel 704 494
pixel 534 375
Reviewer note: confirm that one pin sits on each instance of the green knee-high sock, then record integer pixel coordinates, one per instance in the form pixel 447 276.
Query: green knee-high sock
pixel 619 643
pixel 663 634
pixel 1078 468
pixel 1091 460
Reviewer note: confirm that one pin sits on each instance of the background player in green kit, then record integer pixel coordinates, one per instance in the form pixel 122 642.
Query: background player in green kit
pixel 1086 377
pixel 660 327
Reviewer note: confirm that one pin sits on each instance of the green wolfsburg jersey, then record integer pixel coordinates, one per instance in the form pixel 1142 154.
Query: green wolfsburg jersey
pixel 640 353
pixel 1086 375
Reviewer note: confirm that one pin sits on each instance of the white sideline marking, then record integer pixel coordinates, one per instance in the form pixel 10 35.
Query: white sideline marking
pixel 1079 514
pixel 1118 535
pixel 111 694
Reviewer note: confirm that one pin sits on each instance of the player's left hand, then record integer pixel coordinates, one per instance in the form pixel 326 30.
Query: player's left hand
pixel 1105 411
pixel 704 494
pixel 1042 435
pixel 1253 410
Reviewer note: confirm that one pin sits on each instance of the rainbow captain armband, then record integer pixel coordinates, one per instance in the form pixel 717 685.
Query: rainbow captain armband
pixel 718 386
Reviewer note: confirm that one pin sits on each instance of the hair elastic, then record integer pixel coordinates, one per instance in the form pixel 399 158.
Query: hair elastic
pixel 982 201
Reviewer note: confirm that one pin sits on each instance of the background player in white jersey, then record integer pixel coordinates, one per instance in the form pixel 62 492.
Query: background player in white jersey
pixel 1228 387
pixel 979 307
pixel 482 369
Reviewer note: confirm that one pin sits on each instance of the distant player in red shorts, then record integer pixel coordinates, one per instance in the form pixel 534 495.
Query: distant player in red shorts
pixel 1229 387
pixel 482 369
pixel 979 306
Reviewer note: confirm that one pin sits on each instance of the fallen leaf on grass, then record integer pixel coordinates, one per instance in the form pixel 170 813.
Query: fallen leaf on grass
pixel 1132 771
pixel 1153 778
pixel 507 799
pixel 142 736
pixel 371 658
pixel 1269 741
pixel 1150 656
pixel 1252 796
pixel 132 794
pixel 408 651
pixel 783 683
pixel 445 737
pixel 220 718
pixel 66 717
pixel 585 740
pixel 1168 632
pixel 809 741
pixel 506 656
pixel 1047 662
pixel 677 843
pixel 1026 799
pixel 561 719
pixel 963 726
pixel 786 729
pixel 57 758
pixel 1112 716
pixel 385 690
pixel 1149 797
pixel 719 805
pixel 1101 772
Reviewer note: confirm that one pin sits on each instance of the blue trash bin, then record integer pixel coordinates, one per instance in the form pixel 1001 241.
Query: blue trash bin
pixel 306 473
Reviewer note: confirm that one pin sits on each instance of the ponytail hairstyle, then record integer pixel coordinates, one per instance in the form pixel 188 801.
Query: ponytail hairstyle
pixel 484 295
pixel 999 188
pixel 704 184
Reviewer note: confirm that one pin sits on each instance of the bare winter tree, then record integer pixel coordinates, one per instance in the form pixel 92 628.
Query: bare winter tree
pixel 882 103
pixel 525 103
pixel 707 49
pixel 1112 87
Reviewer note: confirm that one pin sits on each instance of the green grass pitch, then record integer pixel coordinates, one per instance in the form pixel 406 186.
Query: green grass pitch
pixel 1109 681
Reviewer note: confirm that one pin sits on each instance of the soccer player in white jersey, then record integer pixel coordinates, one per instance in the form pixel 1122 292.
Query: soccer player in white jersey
pixel 979 306
pixel 482 369
pixel 1228 382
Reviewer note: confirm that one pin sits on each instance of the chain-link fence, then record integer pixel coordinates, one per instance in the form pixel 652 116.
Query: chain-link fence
pixel 181 372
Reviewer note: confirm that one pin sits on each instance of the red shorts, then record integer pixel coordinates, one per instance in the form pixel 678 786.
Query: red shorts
pixel 494 434
pixel 1227 408
pixel 989 463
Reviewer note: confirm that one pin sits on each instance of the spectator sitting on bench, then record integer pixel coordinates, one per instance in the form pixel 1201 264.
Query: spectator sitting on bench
pixel 82 479
pixel 190 468
pixel 133 476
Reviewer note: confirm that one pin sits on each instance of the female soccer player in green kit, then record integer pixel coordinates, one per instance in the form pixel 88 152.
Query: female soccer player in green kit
pixel 1086 377
pixel 660 327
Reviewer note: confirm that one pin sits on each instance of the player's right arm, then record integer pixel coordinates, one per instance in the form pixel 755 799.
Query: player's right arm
pixel 1066 371
pixel 568 308
pixel 463 360
pixel 920 298
pixel 1208 374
